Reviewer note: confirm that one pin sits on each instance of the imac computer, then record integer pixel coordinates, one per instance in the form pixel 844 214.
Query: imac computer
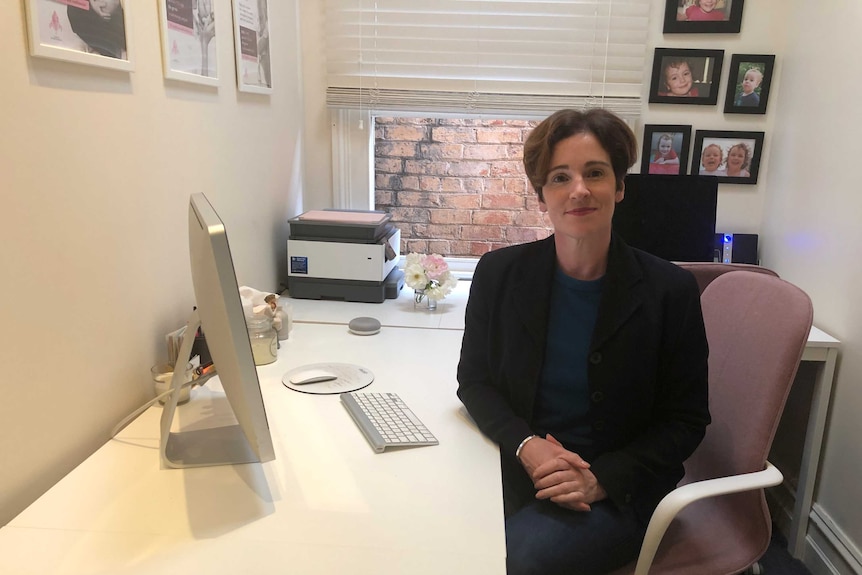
pixel 219 314
pixel 672 217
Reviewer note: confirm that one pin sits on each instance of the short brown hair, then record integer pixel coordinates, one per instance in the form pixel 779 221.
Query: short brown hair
pixel 610 130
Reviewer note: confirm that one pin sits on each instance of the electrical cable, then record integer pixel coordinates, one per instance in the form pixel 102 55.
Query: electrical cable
pixel 205 373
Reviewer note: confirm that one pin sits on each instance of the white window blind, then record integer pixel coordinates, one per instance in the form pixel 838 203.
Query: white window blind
pixel 483 56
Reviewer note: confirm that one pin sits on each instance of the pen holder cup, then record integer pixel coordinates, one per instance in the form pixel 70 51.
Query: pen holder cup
pixel 163 374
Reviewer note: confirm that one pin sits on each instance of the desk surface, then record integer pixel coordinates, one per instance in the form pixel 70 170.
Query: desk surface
pixel 326 504
pixel 399 312
pixel 402 312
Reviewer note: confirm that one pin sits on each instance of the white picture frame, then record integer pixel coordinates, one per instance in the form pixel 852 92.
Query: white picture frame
pixel 79 31
pixel 189 43
pixel 252 46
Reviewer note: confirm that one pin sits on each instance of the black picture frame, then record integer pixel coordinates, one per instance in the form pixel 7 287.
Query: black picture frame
pixel 735 102
pixel 680 139
pixel 675 21
pixel 704 67
pixel 727 141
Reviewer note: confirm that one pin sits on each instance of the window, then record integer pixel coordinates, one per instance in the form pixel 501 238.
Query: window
pixel 456 186
pixel 510 61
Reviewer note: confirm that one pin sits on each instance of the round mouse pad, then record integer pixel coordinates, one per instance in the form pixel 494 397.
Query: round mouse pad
pixel 350 378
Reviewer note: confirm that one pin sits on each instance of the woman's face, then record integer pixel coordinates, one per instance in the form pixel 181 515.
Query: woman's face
pixel 735 159
pixel 678 80
pixel 711 158
pixel 580 192
pixel 708 5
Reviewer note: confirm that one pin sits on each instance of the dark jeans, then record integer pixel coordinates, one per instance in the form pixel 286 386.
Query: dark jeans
pixel 543 538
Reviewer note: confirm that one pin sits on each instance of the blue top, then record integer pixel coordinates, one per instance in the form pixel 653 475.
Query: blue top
pixel 563 397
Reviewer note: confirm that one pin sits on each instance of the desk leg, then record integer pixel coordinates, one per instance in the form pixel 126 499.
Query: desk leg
pixel 811 454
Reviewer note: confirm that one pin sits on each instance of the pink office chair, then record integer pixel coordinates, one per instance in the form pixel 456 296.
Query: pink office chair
pixel 705 272
pixel 717 522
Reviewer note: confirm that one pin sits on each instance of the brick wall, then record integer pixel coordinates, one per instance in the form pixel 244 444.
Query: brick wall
pixel 456 187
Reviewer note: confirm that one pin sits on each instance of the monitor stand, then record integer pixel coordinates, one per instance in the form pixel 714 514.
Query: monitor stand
pixel 201 447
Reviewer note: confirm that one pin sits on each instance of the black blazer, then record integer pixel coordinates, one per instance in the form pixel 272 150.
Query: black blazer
pixel 647 366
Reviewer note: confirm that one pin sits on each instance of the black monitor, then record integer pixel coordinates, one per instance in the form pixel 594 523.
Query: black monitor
pixel 219 312
pixel 672 217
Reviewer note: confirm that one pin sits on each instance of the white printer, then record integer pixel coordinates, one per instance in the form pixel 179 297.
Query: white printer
pixel 345 255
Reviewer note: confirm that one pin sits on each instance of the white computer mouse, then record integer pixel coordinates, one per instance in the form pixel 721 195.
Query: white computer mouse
pixel 313 375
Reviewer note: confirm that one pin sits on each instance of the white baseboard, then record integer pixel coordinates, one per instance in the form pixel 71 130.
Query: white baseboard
pixel 827 550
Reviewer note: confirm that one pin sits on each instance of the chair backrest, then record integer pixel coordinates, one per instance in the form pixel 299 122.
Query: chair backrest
pixel 705 272
pixel 757 326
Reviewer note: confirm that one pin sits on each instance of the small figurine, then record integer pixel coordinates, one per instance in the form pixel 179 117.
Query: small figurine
pixel 281 320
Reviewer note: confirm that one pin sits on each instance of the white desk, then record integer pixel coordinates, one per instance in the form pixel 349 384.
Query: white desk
pixel 822 349
pixel 326 504
pixel 400 312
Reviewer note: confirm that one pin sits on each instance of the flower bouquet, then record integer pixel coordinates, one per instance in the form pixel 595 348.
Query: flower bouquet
pixel 429 276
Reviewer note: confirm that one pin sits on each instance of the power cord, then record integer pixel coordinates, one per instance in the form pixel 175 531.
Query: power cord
pixel 203 373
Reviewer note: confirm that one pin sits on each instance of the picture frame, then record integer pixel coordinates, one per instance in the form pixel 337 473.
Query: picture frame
pixel 745 147
pixel 748 72
pixel 189 41
pixel 686 76
pixel 252 46
pixel 688 17
pixel 655 140
pixel 81 32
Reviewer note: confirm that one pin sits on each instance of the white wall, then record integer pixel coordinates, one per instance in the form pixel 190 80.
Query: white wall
pixel 811 229
pixel 96 167
pixel 740 207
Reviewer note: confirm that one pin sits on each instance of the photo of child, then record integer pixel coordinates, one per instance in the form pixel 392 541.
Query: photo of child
pixel 748 83
pixel 702 11
pixel 664 159
pixel 686 76
pixel 679 80
pixel 711 160
pixel 703 16
pixel 738 160
pixel 726 157
pixel 749 91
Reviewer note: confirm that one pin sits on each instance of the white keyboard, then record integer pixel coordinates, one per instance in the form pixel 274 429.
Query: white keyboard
pixel 386 421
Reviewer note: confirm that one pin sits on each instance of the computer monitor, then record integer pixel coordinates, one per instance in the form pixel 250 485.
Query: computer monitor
pixel 672 217
pixel 220 314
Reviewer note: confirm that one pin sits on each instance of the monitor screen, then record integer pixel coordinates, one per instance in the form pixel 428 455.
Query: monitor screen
pixel 672 217
pixel 220 315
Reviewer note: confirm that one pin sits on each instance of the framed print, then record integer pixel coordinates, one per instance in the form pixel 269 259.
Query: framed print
pixel 702 16
pixel 90 32
pixel 733 157
pixel 665 149
pixel 251 42
pixel 189 41
pixel 685 76
pixel 748 81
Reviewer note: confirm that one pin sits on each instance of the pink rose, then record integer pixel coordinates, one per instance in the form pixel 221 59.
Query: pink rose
pixel 435 266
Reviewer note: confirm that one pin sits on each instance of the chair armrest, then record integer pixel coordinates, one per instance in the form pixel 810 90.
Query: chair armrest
pixel 676 500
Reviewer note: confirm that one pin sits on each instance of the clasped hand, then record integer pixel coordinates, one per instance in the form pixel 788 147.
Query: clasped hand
pixel 560 475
